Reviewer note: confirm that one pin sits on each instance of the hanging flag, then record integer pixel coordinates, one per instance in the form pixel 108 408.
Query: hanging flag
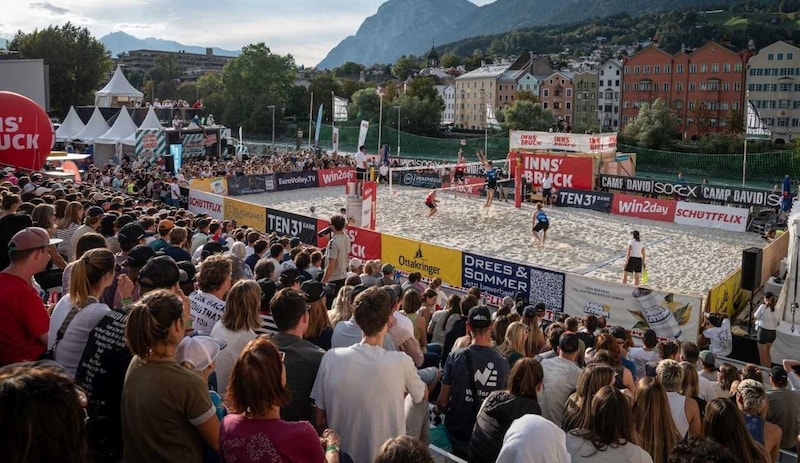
pixel 340 109
pixel 319 124
pixel 362 133
pixel 755 129
pixel 491 121
pixel 335 136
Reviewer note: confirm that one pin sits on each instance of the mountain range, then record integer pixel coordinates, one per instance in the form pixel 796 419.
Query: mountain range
pixel 119 42
pixel 407 27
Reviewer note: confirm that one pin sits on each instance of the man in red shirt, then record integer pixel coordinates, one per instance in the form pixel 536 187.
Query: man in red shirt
pixel 24 322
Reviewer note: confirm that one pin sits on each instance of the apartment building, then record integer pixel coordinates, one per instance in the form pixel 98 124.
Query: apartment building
pixel 609 88
pixel 191 65
pixel 585 104
pixel 773 87
pixel 556 95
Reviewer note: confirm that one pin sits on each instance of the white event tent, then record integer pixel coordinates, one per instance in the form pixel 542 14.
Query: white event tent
pixel 150 122
pixel 123 128
pixel 71 126
pixel 96 127
pixel 117 92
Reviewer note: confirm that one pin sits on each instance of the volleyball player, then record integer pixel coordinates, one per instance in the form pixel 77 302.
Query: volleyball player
pixel 491 177
pixel 540 224
pixel 432 202
pixel 459 174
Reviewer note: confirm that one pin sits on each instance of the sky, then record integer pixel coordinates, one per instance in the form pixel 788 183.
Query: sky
pixel 307 29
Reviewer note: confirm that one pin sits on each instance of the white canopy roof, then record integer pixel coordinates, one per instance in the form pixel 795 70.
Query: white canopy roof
pixel 94 128
pixel 118 86
pixel 123 128
pixel 71 126
pixel 150 122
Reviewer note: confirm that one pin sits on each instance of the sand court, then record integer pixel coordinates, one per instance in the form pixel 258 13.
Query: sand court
pixel 680 258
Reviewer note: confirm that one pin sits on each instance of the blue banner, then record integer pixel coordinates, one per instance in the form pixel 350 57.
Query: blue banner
pixel 294 180
pixel 177 155
pixel 287 224
pixel 583 199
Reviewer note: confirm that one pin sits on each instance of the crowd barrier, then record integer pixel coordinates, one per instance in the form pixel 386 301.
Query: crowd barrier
pixel 672 315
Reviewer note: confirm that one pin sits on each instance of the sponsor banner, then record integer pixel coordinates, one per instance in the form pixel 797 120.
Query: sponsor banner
pixel 252 215
pixel 364 244
pixel 472 186
pixel 582 199
pixel 150 143
pixel 430 260
pixel 671 316
pixel 288 224
pixel 335 137
pixel 369 200
pixel 335 177
pixel 576 142
pixel 183 202
pixel 722 194
pixel 239 185
pixel 210 139
pixel 201 202
pixel 643 208
pixel 417 179
pixel 362 133
pixel 494 276
pixel 710 216
pixel 565 171
pixel 294 180
pixel 216 185
pixel 728 296
pixel 193 145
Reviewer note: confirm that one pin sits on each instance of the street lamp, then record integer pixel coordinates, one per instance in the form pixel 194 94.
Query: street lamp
pixel 272 107
pixel 398 131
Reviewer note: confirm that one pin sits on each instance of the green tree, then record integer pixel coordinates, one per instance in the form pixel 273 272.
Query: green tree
pixel 322 86
pixel 349 87
pixel 654 127
pixel 526 95
pixel 735 121
pixel 365 105
pixel 165 68
pixel 527 115
pixel 253 81
pixel 79 63
pixel 349 69
pixel 299 103
pixel 188 91
pixel 417 116
pixel 702 118
pixel 450 60
pixel 423 88
pixel 211 91
pixel 136 77
pixel 404 65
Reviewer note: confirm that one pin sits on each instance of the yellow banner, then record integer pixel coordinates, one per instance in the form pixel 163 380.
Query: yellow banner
pixel 216 185
pixel 243 213
pixel 430 260
pixel 727 296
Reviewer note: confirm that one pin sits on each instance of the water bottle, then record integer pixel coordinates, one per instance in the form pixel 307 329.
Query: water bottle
pixel 660 319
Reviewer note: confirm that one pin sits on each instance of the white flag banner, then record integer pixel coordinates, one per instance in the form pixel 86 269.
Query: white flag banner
pixel 336 139
pixel 754 126
pixel 340 109
pixel 491 120
pixel 362 133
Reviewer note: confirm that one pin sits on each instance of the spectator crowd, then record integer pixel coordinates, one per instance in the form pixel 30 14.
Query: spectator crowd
pixel 134 330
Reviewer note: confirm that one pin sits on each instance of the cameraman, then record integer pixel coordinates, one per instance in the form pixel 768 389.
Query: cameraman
pixel 336 255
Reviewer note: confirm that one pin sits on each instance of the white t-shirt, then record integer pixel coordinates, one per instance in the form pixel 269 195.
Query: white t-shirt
pixel 404 322
pixel 227 357
pixel 70 348
pixel 794 381
pixel 348 378
pixel 767 319
pixel 583 451
pixel 175 190
pixel 206 311
pixel 636 248
pixel 721 338
pixel 361 160
pixel 533 439
pixel 547 183
pixel 642 358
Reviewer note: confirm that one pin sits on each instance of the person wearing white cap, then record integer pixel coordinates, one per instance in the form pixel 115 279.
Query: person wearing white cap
pixel 24 322
pixel 534 439
pixel 199 353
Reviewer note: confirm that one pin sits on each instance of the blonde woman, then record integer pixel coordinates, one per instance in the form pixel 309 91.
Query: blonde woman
pixel 691 386
pixel 65 227
pixel 653 420
pixel 237 327
pixel 342 306
pixel 513 348
pixel 319 331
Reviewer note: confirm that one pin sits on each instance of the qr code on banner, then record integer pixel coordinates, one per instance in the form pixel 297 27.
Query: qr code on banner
pixel 548 287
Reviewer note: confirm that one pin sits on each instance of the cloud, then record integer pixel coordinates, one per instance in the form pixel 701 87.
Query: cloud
pixel 50 7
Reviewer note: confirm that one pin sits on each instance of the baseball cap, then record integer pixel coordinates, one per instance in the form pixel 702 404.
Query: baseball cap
pixel 355 262
pixel 358 289
pixel 199 351
pixel 387 268
pixel 211 248
pixel 508 302
pixel 618 332
pixel 159 272
pixel 707 357
pixel 140 255
pixel 778 374
pixel 31 238
pixel 569 343
pixel 479 317
pixel 130 233
pixel 187 271
pixel 95 211
pixel 313 290
pixel 166 224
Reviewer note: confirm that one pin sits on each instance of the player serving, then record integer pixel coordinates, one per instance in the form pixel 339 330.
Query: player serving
pixel 459 174
pixel 540 224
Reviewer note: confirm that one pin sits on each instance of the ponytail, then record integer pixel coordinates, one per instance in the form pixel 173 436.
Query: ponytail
pixel 149 321
pixel 88 272
pixel 636 235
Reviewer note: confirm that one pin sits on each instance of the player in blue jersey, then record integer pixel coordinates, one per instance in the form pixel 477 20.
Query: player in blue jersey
pixel 491 177
pixel 540 224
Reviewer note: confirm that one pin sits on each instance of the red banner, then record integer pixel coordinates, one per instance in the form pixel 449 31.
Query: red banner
pixel 336 176
pixel 369 205
pixel 565 171
pixel 644 208
pixel 472 186
pixel 366 244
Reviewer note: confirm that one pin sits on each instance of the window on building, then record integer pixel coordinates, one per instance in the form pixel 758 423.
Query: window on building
pixel 679 69
pixel 667 69
pixel 780 56
pixel 691 105
pixel 656 69
pixel 627 70
pixel 735 105
pixel 617 71
pixel 726 86
pixel 738 67
pixel 636 70
pixel 647 70
pixel 770 57
pixel 783 122
pixel 625 104
pixel 616 95
pixel 624 119
pixel 608 95
pixel 789 56
pixel 692 69
pixel 704 68
pixel 677 104
pixel 545 92
pixel 545 105
pixel 726 67
pixel 666 86
pixel 569 92
pixel 616 83
pixel 785 87
pixel 715 67
pixel 569 105
pixel 737 86
pixel 692 86
pixel 602 72
pixel 678 86
pixel 600 107
pixel 724 105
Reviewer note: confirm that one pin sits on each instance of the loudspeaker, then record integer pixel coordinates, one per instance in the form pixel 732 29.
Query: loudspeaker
pixel 751 269
pixel 169 163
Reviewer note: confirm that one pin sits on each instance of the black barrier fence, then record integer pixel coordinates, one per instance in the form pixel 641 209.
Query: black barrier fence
pixel 691 191
pixel 417 179
pixel 239 185
pixel 582 199
pixel 294 180
pixel 288 224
